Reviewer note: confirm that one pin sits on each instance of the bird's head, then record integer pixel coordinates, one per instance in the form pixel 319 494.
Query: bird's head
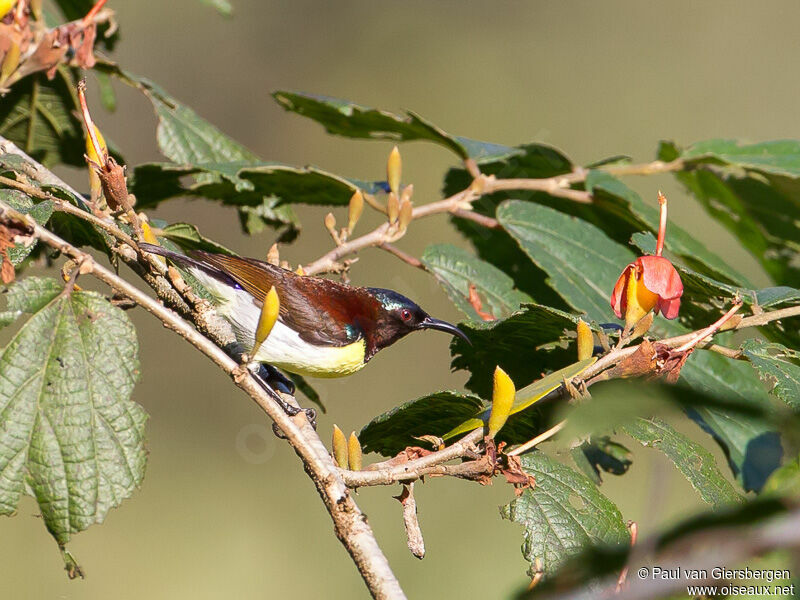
pixel 398 316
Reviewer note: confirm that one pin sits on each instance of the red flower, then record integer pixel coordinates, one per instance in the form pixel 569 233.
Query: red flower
pixel 648 283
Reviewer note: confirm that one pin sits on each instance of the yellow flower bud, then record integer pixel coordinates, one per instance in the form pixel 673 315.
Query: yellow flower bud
pixel 5 6
pixel 503 394
pixel 330 222
pixel 394 169
pixel 273 256
pixel 300 270
pixel 340 448
pixel 10 61
pixel 393 207
pixel 585 340
pixel 404 218
pixel 354 210
pixel 354 454
pixel 405 195
pixel 266 321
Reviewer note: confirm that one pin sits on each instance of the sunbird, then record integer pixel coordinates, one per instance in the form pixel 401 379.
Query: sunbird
pixel 324 329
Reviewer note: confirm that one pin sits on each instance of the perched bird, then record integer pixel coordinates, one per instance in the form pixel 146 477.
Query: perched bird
pixel 325 328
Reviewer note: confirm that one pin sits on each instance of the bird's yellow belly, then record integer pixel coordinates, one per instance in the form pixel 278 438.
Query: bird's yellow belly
pixel 326 362
pixel 284 348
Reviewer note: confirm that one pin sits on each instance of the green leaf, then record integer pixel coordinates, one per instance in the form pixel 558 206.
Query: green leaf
pixel 778 157
pixel 525 344
pixel 563 515
pixel 523 399
pixel 40 212
pixel 188 237
pixel 457 269
pixel 754 196
pixel 69 432
pixel 784 481
pixel 212 159
pixel 342 117
pixel 612 198
pixel 494 246
pixel 38 116
pixel 751 444
pixel 390 432
pixel 695 462
pixel 28 295
pixel 582 263
pixel 777 366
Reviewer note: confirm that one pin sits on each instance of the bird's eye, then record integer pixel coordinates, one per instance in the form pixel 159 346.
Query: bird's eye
pixel 405 314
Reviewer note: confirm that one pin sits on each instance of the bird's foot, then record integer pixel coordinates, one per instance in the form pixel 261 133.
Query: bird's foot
pixel 275 379
pixel 292 411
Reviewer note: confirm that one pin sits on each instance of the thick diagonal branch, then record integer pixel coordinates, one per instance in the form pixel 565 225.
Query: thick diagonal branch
pixel 349 522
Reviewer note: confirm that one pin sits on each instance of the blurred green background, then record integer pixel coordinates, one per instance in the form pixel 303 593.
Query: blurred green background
pixel 225 509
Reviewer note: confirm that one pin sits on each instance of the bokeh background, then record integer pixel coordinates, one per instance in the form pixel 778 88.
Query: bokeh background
pixel 225 509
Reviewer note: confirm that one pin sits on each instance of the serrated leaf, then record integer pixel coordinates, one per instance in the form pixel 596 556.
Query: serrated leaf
pixel 582 263
pixel 695 462
pixel 37 115
pixel 525 344
pixel 752 446
pixel 777 366
pixel 752 191
pixel 563 515
pixel 342 117
pixel 777 157
pixel 457 269
pixel 68 429
pixel 40 212
pixel 613 197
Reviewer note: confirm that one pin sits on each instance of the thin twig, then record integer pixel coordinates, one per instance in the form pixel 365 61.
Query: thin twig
pixel 532 443
pixel 406 258
pixel 460 204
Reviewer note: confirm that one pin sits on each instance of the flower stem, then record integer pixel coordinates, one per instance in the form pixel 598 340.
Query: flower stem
pixel 662 226
pixel 711 329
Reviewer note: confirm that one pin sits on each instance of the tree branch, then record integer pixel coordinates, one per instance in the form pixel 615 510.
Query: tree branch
pixel 350 524
pixel 460 205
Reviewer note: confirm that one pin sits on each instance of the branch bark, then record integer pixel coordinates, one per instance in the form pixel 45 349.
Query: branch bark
pixel 350 524
pixel 460 204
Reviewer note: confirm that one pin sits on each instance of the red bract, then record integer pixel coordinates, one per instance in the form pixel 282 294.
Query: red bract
pixel 649 283
pixel 659 278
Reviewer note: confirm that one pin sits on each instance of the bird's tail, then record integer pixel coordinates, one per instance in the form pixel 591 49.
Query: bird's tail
pixel 189 263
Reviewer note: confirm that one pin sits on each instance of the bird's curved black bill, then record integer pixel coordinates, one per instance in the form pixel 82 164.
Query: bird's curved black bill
pixel 438 324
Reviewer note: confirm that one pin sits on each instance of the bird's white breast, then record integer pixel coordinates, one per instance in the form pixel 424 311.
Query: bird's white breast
pixel 283 348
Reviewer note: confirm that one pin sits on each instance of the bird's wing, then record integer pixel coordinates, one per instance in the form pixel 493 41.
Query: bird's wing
pixel 321 311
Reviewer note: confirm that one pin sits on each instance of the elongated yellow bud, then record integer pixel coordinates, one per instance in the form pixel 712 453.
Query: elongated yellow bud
pixel 330 222
pixel 10 62
pixel 273 256
pixel 585 341
pixel 5 6
pixel 267 319
pixel 408 191
pixel 394 170
pixel 404 218
pixel 354 454
pixel 95 187
pixel 503 394
pixel 393 207
pixel 340 448
pixel 300 270
pixel 354 210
